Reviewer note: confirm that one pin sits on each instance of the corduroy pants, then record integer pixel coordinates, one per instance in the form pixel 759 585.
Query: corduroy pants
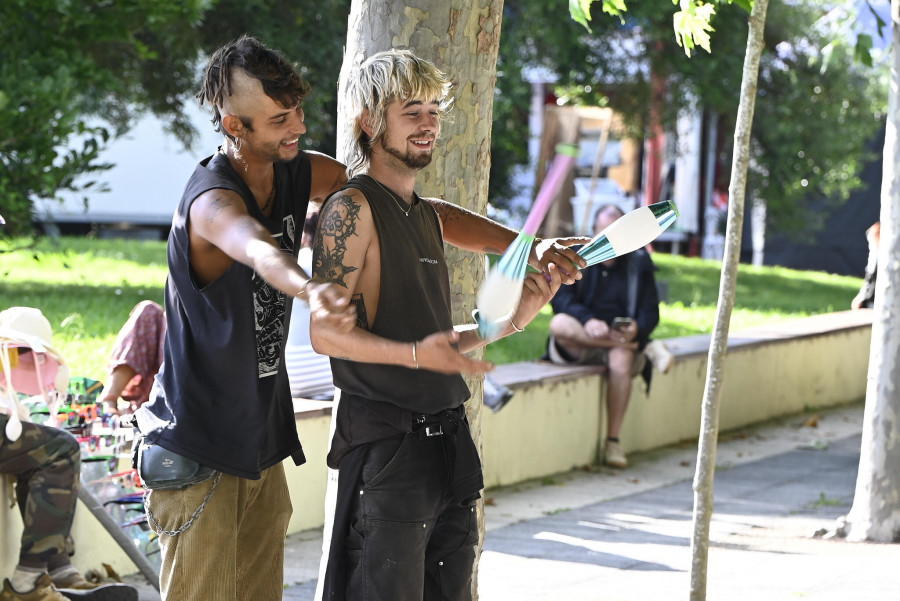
pixel 234 551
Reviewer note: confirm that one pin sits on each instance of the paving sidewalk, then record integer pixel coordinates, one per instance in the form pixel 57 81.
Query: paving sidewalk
pixel 625 535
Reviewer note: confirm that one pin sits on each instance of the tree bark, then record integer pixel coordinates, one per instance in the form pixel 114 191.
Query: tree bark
pixel 462 38
pixel 712 396
pixel 875 514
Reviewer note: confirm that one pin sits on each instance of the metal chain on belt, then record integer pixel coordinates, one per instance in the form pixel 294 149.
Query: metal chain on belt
pixel 159 529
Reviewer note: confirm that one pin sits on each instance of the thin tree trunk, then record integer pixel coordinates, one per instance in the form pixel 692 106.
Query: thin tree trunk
pixel 875 514
pixel 758 226
pixel 462 38
pixel 706 454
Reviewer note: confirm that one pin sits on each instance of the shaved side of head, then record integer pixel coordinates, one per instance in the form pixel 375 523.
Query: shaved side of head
pixel 244 71
pixel 244 94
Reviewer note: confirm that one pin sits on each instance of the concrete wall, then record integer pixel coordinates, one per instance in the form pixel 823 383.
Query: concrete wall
pixel 807 364
pixel 785 369
pixel 555 420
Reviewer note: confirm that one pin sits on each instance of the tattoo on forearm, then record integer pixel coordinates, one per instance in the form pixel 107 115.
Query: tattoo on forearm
pixel 216 206
pixel 337 223
pixel 362 320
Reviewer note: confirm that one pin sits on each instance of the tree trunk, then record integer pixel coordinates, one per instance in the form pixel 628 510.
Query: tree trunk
pixel 875 514
pixel 758 226
pixel 712 396
pixel 462 38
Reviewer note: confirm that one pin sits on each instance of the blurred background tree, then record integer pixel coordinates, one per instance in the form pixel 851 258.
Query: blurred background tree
pixel 73 75
pixel 819 106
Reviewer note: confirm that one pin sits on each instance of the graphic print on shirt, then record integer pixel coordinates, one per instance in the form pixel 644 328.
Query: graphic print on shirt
pixel 268 308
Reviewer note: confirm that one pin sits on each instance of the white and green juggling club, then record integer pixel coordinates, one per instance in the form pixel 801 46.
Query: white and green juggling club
pixel 630 232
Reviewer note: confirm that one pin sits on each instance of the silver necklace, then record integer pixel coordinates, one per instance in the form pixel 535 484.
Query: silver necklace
pixel 394 196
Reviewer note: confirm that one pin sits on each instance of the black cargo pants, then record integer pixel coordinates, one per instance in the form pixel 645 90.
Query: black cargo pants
pixel 408 540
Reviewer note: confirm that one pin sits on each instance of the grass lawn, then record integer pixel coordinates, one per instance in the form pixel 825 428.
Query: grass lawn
pixel 764 295
pixel 87 287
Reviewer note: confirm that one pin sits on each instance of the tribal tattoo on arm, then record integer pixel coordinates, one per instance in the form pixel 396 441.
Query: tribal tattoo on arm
pixel 336 224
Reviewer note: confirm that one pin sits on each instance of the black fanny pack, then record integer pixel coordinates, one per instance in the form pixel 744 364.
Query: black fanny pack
pixel 161 469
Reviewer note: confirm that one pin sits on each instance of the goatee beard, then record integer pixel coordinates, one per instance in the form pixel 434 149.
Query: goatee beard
pixel 412 161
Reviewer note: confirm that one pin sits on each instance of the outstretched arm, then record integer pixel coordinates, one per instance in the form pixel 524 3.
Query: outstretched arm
pixel 220 224
pixel 470 231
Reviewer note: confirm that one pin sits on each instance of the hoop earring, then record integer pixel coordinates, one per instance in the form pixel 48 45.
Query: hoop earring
pixel 238 143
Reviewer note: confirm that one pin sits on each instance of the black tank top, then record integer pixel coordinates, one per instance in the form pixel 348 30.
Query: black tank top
pixel 222 396
pixel 414 302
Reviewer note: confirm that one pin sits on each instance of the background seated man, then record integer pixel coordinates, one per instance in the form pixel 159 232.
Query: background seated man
pixel 585 328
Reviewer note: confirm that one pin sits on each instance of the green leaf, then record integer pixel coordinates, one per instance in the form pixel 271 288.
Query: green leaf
pixel 878 20
pixel 863 49
pixel 615 8
pixel 691 25
pixel 580 10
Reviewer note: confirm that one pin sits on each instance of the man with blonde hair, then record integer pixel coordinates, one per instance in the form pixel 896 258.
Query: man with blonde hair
pixel 405 527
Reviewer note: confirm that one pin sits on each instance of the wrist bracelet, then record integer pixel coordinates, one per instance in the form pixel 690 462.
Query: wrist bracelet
pixel 302 291
pixel 513 324
pixel 415 360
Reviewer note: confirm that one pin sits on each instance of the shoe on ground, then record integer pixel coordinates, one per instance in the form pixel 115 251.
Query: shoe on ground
pixel 73 579
pixel 613 455
pixel 660 356
pixel 43 591
pixel 94 586
pixel 102 592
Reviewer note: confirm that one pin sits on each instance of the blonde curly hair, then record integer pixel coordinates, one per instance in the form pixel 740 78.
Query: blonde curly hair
pixel 380 80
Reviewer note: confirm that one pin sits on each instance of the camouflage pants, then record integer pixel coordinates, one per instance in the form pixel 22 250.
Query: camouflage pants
pixel 46 465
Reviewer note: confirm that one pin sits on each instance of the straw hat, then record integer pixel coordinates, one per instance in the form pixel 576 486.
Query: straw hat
pixel 27 326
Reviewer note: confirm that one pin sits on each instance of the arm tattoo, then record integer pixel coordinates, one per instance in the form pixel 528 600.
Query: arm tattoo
pixel 216 206
pixel 336 224
pixel 451 213
pixel 448 212
pixel 362 320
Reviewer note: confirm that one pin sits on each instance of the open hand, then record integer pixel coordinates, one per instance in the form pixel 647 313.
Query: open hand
pixel 439 352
